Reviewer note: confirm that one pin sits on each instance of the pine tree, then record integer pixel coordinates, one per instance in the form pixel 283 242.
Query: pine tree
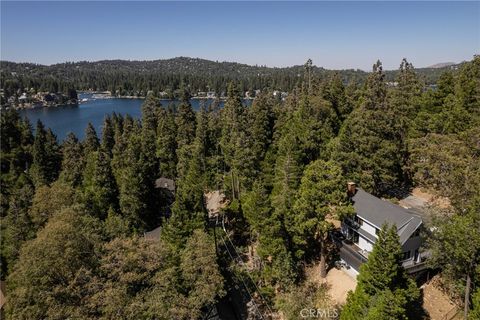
pixel 166 143
pixel 233 135
pixel 73 162
pixel 16 226
pixel 99 187
pixel 314 122
pixel 262 125
pixel 368 144
pixel 467 87
pixel 287 175
pixel 320 197
pixel 475 312
pixel 149 127
pixel 108 135
pixel 46 156
pixel 334 92
pixel 188 210
pixel 200 272
pixel 185 122
pixel 214 159
pixel 91 142
pixel 133 186
pixel 455 247
pixel 383 288
pixel 271 236
pixel 148 158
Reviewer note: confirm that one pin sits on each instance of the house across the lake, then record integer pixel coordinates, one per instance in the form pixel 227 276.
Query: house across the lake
pixel 359 233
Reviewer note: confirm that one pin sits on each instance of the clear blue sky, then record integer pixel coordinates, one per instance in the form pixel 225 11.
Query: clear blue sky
pixel 335 35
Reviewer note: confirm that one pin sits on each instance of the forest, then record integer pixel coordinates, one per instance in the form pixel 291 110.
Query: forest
pixel 74 213
pixel 137 78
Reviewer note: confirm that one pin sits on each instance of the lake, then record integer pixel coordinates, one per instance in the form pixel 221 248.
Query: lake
pixel 74 118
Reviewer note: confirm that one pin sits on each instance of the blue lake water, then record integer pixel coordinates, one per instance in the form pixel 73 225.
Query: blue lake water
pixel 74 118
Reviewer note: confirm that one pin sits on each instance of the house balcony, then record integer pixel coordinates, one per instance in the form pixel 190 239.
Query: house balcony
pixel 354 256
pixel 414 266
pixel 352 223
pixel 349 252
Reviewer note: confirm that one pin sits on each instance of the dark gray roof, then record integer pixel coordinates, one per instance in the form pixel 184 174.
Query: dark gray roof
pixel 165 183
pixel 377 212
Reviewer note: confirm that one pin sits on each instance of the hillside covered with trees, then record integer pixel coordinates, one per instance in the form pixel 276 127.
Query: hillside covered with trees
pixel 136 78
pixel 74 213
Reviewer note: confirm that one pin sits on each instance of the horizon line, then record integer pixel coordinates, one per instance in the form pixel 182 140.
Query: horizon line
pixel 224 61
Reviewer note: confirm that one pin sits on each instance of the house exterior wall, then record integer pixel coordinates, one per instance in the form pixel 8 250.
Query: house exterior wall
pixel 411 245
pixel 368 227
pixel 364 244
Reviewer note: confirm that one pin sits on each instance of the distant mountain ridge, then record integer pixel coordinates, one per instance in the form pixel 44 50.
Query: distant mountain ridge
pixel 441 65
pixel 130 77
pixel 185 64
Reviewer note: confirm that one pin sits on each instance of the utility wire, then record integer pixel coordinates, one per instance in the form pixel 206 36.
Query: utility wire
pixel 258 290
pixel 251 279
pixel 241 279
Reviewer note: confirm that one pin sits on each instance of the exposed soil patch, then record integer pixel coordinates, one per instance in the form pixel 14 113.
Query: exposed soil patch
pixel 436 302
pixel 338 281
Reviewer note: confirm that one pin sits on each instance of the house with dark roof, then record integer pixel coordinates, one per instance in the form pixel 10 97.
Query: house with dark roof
pixel 360 232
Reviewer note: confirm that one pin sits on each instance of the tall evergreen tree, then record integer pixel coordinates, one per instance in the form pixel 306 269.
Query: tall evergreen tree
pixel 288 172
pixel 334 92
pixel 16 227
pixel 99 186
pixel 108 135
pixel 269 231
pixel 132 183
pixel 91 142
pixel 215 161
pixel 185 122
pixel 261 127
pixel 321 197
pixel 188 210
pixel 455 247
pixel 167 143
pixel 368 148
pixel 73 162
pixel 46 156
pixel 384 291
pixel 232 138
pixel 150 109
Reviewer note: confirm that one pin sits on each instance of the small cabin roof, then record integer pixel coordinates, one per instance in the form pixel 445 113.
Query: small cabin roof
pixel 165 183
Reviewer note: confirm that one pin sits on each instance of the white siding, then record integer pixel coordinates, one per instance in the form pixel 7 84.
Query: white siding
pixel 368 227
pixel 364 244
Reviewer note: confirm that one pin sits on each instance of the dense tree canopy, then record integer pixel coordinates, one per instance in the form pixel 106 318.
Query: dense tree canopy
pixel 73 214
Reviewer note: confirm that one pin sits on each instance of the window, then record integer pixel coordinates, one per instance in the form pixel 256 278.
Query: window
pixel 377 231
pixel 406 255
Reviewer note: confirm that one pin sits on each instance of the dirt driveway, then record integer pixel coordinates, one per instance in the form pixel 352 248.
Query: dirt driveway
pixel 340 283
